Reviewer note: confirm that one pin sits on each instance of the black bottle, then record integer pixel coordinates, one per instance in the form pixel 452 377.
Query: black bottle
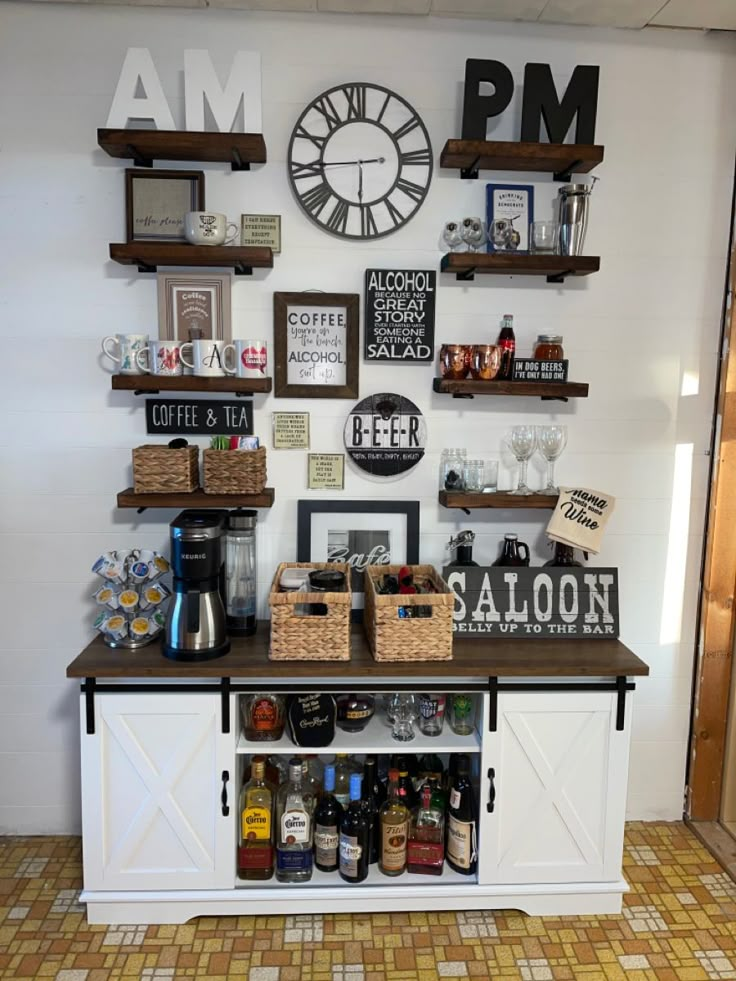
pixel 564 555
pixel 511 553
pixel 327 818
pixel 463 546
pixel 406 785
pixel 355 836
pixel 373 795
pixel 461 847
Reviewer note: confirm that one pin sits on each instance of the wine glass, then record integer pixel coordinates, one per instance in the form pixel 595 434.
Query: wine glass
pixel 523 442
pixel 473 233
pixel 405 712
pixel 551 441
pixel 452 236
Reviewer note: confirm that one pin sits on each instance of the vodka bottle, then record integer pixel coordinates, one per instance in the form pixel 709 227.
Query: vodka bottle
pixel 294 809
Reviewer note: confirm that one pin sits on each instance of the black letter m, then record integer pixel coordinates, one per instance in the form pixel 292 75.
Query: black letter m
pixel 541 101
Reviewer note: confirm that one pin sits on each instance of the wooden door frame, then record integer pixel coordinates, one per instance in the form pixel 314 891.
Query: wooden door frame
pixel 717 612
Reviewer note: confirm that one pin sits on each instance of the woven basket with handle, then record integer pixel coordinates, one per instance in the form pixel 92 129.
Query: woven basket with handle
pixel 234 471
pixel 392 637
pixel 160 470
pixel 296 637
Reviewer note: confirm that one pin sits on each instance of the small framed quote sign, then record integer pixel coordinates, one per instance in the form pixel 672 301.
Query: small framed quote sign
pixel 261 230
pixel 326 471
pixel 315 345
pixel 399 315
pixel 291 430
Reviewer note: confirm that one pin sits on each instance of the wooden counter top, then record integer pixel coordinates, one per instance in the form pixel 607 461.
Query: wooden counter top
pixel 472 658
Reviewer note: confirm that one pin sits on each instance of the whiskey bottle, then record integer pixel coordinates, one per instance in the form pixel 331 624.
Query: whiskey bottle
pixel 373 795
pixel 354 836
pixel 426 850
pixel 461 843
pixel 327 820
pixel 294 827
pixel 394 829
pixel 255 846
pixel 263 716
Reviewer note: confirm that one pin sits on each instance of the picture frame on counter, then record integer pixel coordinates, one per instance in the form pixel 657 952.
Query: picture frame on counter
pixel 194 306
pixel 316 345
pixel 157 200
pixel 509 214
pixel 360 533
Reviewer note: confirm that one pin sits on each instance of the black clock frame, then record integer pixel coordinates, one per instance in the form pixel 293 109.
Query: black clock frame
pixel 373 122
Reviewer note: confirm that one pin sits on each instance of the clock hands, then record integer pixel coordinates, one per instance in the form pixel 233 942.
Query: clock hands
pixel 352 163
pixel 360 182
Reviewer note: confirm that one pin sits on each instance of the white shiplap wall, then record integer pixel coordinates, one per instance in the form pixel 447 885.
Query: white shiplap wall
pixel 643 332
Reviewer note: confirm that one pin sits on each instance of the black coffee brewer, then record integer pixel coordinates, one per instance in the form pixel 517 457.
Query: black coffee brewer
pixel 195 625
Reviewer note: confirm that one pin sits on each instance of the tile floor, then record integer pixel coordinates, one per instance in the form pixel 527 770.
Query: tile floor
pixel 678 924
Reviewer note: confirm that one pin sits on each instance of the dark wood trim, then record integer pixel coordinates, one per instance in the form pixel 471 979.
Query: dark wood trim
pixel 305 510
pixel 194 176
pixel 189 383
pixel 146 145
pixel 469 386
pixel 282 389
pixel 556 158
pixel 148 256
pixel 196 499
pixel 501 499
pixel 718 841
pixel 465 265
pixel 248 658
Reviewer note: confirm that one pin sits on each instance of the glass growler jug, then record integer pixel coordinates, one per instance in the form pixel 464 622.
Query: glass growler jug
pixel 511 554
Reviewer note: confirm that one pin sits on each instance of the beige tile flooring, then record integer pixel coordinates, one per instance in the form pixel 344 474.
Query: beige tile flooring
pixel 678 924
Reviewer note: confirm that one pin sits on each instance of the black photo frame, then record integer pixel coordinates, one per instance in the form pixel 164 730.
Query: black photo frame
pixel 306 510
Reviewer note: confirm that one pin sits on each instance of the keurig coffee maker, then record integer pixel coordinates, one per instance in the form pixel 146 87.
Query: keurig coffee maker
pixel 195 626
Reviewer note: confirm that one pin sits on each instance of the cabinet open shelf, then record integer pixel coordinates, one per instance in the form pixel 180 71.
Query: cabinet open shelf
pixel 143 146
pixel 561 159
pixel 195 499
pixel 151 384
pixel 501 499
pixel 376 881
pixel 465 265
pixel 148 256
pixel 468 387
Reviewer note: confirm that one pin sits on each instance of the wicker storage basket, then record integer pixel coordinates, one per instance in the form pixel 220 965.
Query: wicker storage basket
pixel 160 470
pixel 310 638
pixel 395 638
pixel 234 471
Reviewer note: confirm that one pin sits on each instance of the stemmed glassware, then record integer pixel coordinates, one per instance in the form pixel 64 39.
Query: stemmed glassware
pixel 551 441
pixel 473 233
pixel 452 235
pixel 523 443
pixel 405 712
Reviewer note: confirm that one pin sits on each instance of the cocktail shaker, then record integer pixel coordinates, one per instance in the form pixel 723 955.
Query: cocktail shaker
pixel 573 203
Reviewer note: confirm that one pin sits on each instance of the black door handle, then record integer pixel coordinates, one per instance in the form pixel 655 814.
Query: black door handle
pixel 491 790
pixel 223 796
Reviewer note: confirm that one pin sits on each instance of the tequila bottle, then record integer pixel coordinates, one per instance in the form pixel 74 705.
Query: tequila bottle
pixel 294 810
pixel 255 847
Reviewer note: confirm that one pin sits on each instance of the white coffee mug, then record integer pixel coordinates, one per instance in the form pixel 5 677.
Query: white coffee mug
pixel 128 347
pixel 249 356
pixel 208 357
pixel 208 228
pixel 160 358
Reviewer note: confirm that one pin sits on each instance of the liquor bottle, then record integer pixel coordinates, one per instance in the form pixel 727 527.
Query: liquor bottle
pixel 355 711
pixel 312 788
pixel 373 796
pixel 316 770
pixel 461 843
pixel 263 716
pixel 507 343
pixel 564 555
pixel 430 768
pixel 426 849
pixel 511 553
pixel 394 828
pixel 355 834
pixel 255 847
pixel 463 547
pixel 327 820
pixel 406 785
pixel 343 769
pixel 294 827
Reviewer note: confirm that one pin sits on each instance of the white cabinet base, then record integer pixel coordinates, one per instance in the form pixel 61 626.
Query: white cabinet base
pixel 568 899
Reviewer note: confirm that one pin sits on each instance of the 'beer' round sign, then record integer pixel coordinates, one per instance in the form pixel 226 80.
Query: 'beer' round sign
pixel 385 435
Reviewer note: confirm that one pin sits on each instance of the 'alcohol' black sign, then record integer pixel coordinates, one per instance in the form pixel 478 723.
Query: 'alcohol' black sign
pixel 399 314
pixel 165 417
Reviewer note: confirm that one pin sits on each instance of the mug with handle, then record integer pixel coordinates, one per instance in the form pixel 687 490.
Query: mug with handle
pixel 208 357
pixel 250 358
pixel 160 358
pixel 128 347
pixel 209 228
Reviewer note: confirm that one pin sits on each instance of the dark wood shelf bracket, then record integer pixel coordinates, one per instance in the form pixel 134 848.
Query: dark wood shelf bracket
pixel 237 162
pixel 138 158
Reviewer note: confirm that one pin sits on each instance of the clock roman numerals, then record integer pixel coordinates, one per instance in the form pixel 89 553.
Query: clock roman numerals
pixel 406 128
pixel 414 191
pixel 315 199
pixel 415 158
pixel 300 171
pixel 302 134
pixel 338 220
pixel 326 107
pixel 368 226
pixel 393 212
pixel 356 98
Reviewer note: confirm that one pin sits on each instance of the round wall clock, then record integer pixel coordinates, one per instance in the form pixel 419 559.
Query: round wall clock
pixel 385 435
pixel 360 161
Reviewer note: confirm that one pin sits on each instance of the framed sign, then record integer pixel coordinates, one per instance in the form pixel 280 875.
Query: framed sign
pixel 316 345
pixel 399 315
pixel 157 200
pixel 360 533
pixel 385 435
pixel 194 306
pixel 326 471
pixel 199 417
pixel 291 430
pixel 525 602
pixel 261 230
pixel 542 371
pixel 510 210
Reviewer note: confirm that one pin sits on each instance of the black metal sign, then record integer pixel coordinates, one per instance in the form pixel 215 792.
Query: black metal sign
pixel 399 314
pixel 165 417
pixel 522 602
pixel 540 371
pixel 385 435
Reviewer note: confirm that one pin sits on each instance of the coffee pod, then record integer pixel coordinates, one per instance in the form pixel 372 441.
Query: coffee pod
pixel 140 571
pixel 158 620
pixel 106 596
pixel 116 627
pixel 108 566
pixel 100 622
pixel 159 566
pixel 129 600
pixel 140 627
pixel 153 596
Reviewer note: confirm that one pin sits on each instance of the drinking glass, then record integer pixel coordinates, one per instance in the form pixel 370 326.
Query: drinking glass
pixel 452 236
pixel 490 485
pixel 551 441
pixel 523 442
pixel 473 475
pixel 544 236
pixel 431 713
pixel 405 712
pixel 473 233
pixel 462 714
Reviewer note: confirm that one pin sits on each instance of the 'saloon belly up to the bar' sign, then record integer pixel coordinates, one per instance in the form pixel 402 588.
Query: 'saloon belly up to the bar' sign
pixel 527 602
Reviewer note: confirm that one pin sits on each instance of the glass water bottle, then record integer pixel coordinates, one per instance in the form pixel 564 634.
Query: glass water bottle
pixel 240 572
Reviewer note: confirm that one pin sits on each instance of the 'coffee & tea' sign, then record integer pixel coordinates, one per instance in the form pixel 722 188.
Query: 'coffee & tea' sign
pixel 399 314
pixel 526 602
pixel 166 417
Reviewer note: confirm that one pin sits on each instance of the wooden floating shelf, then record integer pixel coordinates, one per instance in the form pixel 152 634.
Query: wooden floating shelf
pixel 501 499
pixel 468 387
pixel 151 384
pixel 143 146
pixel 561 159
pixel 556 268
pixel 195 499
pixel 148 256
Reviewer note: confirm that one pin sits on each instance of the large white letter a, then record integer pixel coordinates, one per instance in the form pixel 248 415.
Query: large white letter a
pixel 138 67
